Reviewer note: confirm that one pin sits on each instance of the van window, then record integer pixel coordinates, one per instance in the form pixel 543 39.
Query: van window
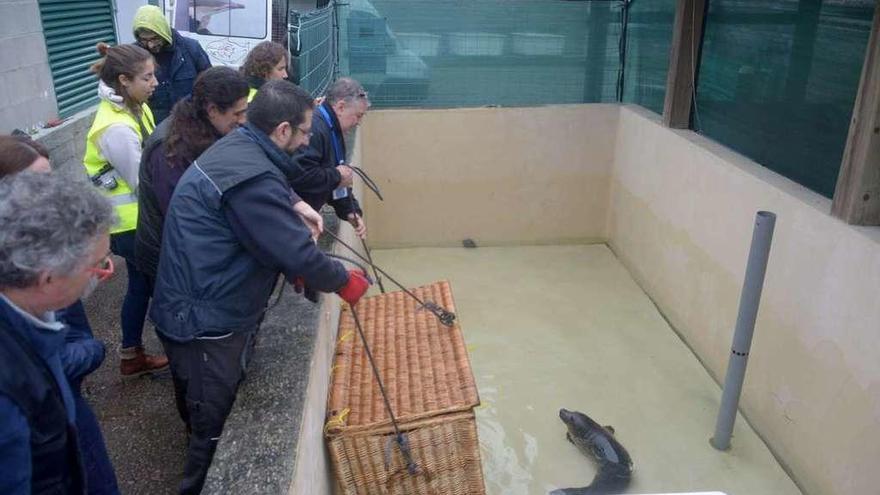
pixel 238 19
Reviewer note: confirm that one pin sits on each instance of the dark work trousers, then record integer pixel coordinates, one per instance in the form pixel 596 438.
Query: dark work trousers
pixel 206 373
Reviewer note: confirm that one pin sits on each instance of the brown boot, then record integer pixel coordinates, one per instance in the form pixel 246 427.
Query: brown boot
pixel 136 362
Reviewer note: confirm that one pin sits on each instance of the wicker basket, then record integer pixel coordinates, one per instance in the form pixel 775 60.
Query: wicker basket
pixel 427 375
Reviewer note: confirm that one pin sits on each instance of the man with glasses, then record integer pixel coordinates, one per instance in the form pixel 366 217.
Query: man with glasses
pixel 54 246
pixel 327 178
pixel 178 59
pixel 233 225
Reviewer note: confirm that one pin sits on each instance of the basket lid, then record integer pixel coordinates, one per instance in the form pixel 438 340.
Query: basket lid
pixel 423 364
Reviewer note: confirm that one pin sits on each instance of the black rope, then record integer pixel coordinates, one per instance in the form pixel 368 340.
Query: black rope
pixel 368 181
pixel 375 273
pixel 346 258
pixel 278 297
pixel 411 465
pixel 621 48
pixel 446 317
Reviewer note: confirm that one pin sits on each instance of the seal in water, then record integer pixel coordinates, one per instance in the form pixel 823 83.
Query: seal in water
pixel 598 442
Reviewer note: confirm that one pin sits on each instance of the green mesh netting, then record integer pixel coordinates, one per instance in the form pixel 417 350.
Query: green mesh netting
pixel 444 53
pixel 778 79
pixel 648 38
pixel 312 42
pixel 516 52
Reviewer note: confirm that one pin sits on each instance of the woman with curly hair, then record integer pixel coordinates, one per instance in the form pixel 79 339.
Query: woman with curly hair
pixel 267 61
pixel 217 106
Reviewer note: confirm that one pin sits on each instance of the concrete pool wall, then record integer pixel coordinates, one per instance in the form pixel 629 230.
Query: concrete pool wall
pixel 501 176
pixel 678 210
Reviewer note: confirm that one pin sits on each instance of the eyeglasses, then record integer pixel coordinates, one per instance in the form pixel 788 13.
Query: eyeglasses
pixel 363 95
pixel 103 269
pixel 308 133
pixel 147 42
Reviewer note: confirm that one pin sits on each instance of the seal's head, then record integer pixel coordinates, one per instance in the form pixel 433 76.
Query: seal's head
pixel 578 422
pixel 573 418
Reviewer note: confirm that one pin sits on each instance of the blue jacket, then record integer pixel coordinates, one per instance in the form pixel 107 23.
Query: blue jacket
pixel 318 160
pixel 82 352
pixel 230 230
pixel 15 431
pixel 178 66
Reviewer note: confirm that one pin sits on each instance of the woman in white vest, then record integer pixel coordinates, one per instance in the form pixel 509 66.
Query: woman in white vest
pixel 127 78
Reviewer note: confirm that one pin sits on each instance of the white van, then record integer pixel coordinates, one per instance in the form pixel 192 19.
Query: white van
pixel 228 29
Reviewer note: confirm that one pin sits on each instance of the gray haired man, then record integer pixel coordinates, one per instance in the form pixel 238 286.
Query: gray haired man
pixel 54 247
pixel 327 179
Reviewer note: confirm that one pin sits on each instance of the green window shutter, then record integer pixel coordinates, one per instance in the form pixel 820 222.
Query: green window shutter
pixel 72 28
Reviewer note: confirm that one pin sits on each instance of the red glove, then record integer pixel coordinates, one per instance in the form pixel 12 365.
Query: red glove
pixel 298 285
pixel 357 285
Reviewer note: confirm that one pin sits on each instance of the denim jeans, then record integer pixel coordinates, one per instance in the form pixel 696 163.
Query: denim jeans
pixel 138 294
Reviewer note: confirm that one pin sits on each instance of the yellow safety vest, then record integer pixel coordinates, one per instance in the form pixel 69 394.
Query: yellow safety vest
pixel 251 93
pixel 122 196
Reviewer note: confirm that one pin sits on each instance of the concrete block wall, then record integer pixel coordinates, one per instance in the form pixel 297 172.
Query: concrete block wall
pixel 67 142
pixel 27 96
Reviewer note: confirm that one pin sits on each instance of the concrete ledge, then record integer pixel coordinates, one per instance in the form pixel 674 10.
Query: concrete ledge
pixel 257 452
pixel 67 142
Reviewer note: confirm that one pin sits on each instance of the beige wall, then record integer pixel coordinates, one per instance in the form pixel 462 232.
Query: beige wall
pixel 497 175
pixel 678 210
pixel 681 216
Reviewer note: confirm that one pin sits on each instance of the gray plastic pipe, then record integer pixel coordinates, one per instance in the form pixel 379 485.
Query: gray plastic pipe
pixel 762 237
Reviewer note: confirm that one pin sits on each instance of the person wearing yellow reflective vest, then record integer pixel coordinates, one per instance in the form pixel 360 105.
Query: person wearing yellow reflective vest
pixel 266 62
pixel 123 121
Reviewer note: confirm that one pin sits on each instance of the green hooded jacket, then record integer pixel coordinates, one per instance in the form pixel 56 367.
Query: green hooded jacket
pixel 151 17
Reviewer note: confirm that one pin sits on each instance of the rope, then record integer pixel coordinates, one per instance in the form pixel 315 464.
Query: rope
pixel 337 421
pixel 368 181
pixel 621 47
pixel 445 316
pixel 344 337
pixel 334 368
pixel 375 273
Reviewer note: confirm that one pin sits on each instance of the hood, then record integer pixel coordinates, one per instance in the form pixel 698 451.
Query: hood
pixel 151 17
pixel 107 93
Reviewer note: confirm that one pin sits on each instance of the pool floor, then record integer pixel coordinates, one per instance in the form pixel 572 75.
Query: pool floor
pixel 567 326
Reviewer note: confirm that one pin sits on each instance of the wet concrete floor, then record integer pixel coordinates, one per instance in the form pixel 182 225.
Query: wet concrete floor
pixel 566 326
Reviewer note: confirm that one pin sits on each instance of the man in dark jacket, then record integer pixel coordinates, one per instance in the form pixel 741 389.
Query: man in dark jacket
pixel 232 227
pixel 178 59
pixel 54 247
pixel 326 178
pixel 82 353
